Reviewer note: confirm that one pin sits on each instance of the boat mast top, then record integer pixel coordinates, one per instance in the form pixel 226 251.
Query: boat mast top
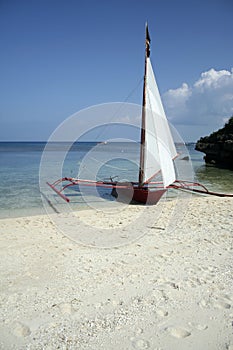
pixel 143 125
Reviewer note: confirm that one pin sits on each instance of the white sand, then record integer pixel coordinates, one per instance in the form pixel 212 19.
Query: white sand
pixel 170 289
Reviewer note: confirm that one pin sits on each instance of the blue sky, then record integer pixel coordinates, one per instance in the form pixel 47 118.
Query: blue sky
pixel 58 57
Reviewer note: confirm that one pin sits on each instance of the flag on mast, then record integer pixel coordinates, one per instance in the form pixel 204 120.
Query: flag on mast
pixel 147 42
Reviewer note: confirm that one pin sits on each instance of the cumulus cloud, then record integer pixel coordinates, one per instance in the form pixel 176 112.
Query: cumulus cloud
pixel 209 101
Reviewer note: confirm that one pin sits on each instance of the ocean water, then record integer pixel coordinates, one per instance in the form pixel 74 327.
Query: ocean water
pixel 23 177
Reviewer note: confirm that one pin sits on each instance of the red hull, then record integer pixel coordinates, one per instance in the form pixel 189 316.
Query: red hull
pixel 147 196
pixel 138 195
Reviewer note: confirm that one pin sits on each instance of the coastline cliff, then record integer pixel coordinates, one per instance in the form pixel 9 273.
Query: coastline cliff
pixel 218 147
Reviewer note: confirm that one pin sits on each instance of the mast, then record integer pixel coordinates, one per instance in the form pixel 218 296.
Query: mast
pixel 143 125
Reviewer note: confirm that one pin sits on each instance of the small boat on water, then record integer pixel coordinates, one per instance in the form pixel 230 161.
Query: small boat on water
pixel 156 172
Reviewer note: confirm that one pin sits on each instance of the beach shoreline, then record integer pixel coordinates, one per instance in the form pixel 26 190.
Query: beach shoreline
pixel 169 288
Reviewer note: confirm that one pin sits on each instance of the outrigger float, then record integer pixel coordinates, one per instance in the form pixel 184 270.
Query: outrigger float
pixel 61 185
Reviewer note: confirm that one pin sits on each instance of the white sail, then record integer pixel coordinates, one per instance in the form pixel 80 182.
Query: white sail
pixel 159 145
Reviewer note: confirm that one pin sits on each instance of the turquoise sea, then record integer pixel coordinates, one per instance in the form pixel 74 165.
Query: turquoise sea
pixel 20 192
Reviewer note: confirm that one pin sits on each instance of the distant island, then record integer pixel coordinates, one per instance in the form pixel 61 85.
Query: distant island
pixel 218 146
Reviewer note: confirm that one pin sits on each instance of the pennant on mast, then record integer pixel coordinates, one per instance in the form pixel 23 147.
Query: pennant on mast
pixel 147 41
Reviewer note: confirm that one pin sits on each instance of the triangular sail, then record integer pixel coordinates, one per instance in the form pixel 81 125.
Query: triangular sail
pixel 158 148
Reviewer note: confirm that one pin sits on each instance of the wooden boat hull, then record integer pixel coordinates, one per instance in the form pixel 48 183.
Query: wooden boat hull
pixel 138 195
pixel 148 196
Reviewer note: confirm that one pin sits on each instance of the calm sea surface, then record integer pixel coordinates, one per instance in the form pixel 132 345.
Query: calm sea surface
pixel 20 192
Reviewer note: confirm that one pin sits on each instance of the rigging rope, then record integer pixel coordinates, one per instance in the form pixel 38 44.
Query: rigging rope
pixel 106 165
pixel 121 106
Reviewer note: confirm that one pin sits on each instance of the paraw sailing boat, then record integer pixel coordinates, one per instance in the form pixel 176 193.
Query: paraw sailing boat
pixel 157 150
pixel 157 154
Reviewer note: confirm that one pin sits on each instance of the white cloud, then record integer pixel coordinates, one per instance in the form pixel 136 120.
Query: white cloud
pixel 212 79
pixel 208 102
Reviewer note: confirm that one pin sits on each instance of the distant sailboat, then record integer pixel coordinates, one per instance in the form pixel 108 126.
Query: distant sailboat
pixel 157 153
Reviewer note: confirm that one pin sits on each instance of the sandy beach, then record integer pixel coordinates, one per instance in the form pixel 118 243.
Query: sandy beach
pixel 166 288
